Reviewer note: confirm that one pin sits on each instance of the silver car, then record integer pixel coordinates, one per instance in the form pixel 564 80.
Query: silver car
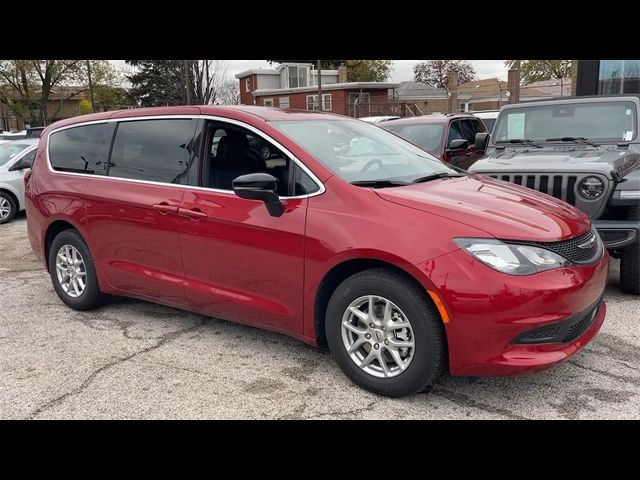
pixel 15 157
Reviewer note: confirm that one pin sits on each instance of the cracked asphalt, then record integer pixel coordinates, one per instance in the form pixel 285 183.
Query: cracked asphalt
pixel 136 360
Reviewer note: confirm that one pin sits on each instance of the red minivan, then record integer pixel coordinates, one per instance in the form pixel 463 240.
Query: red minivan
pixel 346 236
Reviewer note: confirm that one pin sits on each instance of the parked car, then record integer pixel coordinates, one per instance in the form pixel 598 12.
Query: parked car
pixel 399 263
pixel 15 157
pixel 449 137
pixel 584 151
pixel 488 117
pixel 34 132
pixel 378 119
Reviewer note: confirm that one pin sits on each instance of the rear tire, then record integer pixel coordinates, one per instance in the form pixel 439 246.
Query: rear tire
pixel 630 269
pixel 73 273
pixel 8 208
pixel 422 364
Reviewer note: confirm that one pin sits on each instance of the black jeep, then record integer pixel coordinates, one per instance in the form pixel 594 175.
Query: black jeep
pixel 585 151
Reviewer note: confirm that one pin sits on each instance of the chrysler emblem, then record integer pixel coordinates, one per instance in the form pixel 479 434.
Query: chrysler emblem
pixel 588 244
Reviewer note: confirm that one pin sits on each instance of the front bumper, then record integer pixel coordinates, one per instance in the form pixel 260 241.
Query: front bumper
pixel 617 234
pixel 490 312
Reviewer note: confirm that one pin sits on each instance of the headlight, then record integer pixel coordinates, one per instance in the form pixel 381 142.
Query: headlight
pixel 510 258
pixel 591 188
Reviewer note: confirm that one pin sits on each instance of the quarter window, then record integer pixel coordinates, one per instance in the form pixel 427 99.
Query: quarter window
pixel 154 150
pixel 82 149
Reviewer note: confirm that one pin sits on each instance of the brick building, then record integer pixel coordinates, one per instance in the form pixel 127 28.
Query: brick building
pixel 295 85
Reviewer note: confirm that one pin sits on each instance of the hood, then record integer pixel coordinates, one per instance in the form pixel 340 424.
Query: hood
pixel 603 159
pixel 505 211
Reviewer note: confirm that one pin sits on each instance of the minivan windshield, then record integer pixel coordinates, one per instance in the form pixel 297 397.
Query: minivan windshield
pixel 9 150
pixel 596 121
pixel 360 152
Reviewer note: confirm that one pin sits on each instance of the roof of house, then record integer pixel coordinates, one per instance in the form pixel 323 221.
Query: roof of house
pixel 327 87
pixel 547 88
pixel 419 91
pixel 60 92
pixel 276 71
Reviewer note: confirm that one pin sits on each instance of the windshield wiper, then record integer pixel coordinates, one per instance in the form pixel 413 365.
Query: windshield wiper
pixel 378 183
pixel 522 141
pixel 435 176
pixel 572 139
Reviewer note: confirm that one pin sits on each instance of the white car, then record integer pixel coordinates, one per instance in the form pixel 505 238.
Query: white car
pixel 488 117
pixel 382 118
pixel 15 157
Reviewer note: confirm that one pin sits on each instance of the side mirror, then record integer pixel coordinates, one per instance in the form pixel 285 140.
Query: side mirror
pixel 21 164
pixel 260 186
pixel 458 144
pixel 481 141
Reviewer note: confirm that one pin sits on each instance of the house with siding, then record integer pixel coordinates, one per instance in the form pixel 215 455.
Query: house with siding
pixel 295 85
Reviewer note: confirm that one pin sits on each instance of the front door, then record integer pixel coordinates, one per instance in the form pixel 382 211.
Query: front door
pixel 240 262
pixel 132 210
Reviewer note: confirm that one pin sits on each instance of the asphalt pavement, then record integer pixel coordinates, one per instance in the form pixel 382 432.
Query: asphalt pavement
pixel 135 360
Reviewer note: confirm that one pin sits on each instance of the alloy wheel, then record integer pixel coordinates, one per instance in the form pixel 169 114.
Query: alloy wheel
pixel 5 208
pixel 378 336
pixel 71 271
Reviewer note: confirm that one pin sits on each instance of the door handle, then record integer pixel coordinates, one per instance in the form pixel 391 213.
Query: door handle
pixel 192 213
pixel 164 208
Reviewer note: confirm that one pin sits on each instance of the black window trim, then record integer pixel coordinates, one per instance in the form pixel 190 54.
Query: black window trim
pixel 282 148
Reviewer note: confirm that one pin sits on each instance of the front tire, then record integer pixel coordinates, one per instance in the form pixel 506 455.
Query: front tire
pixel 397 351
pixel 630 269
pixel 8 208
pixel 73 272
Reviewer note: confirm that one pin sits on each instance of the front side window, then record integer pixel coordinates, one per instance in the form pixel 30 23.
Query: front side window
pixel 598 121
pixel 455 132
pixel 82 149
pixel 236 151
pixel 358 151
pixel 9 151
pixel 427 136
pixel 153 150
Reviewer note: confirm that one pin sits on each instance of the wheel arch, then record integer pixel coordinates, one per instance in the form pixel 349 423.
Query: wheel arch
pixel 13 196
pixel 345 269
pixel 53 230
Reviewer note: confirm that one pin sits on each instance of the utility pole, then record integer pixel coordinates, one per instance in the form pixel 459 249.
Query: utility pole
pixel 186 81
pixel 513 83
pixel 320 86
pixel 90 86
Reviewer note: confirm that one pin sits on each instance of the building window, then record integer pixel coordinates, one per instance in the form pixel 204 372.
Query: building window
pixel 298 76
pixel 247 85
pixel 619 76
pixel 283 102
pixel 312 102
pixel 326 102
pixel 268 102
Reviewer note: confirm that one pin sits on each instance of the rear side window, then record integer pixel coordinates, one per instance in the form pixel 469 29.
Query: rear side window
pixel 154 150
pixel 82 149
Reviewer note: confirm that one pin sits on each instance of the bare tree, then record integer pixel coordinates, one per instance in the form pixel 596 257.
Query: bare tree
pixel 207 80
pixel 229 93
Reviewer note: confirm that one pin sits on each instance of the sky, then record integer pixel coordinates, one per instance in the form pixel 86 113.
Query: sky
pixel 402 69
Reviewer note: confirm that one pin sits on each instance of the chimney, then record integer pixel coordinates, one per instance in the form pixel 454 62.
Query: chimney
pixel 342 73
pixel 452 90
